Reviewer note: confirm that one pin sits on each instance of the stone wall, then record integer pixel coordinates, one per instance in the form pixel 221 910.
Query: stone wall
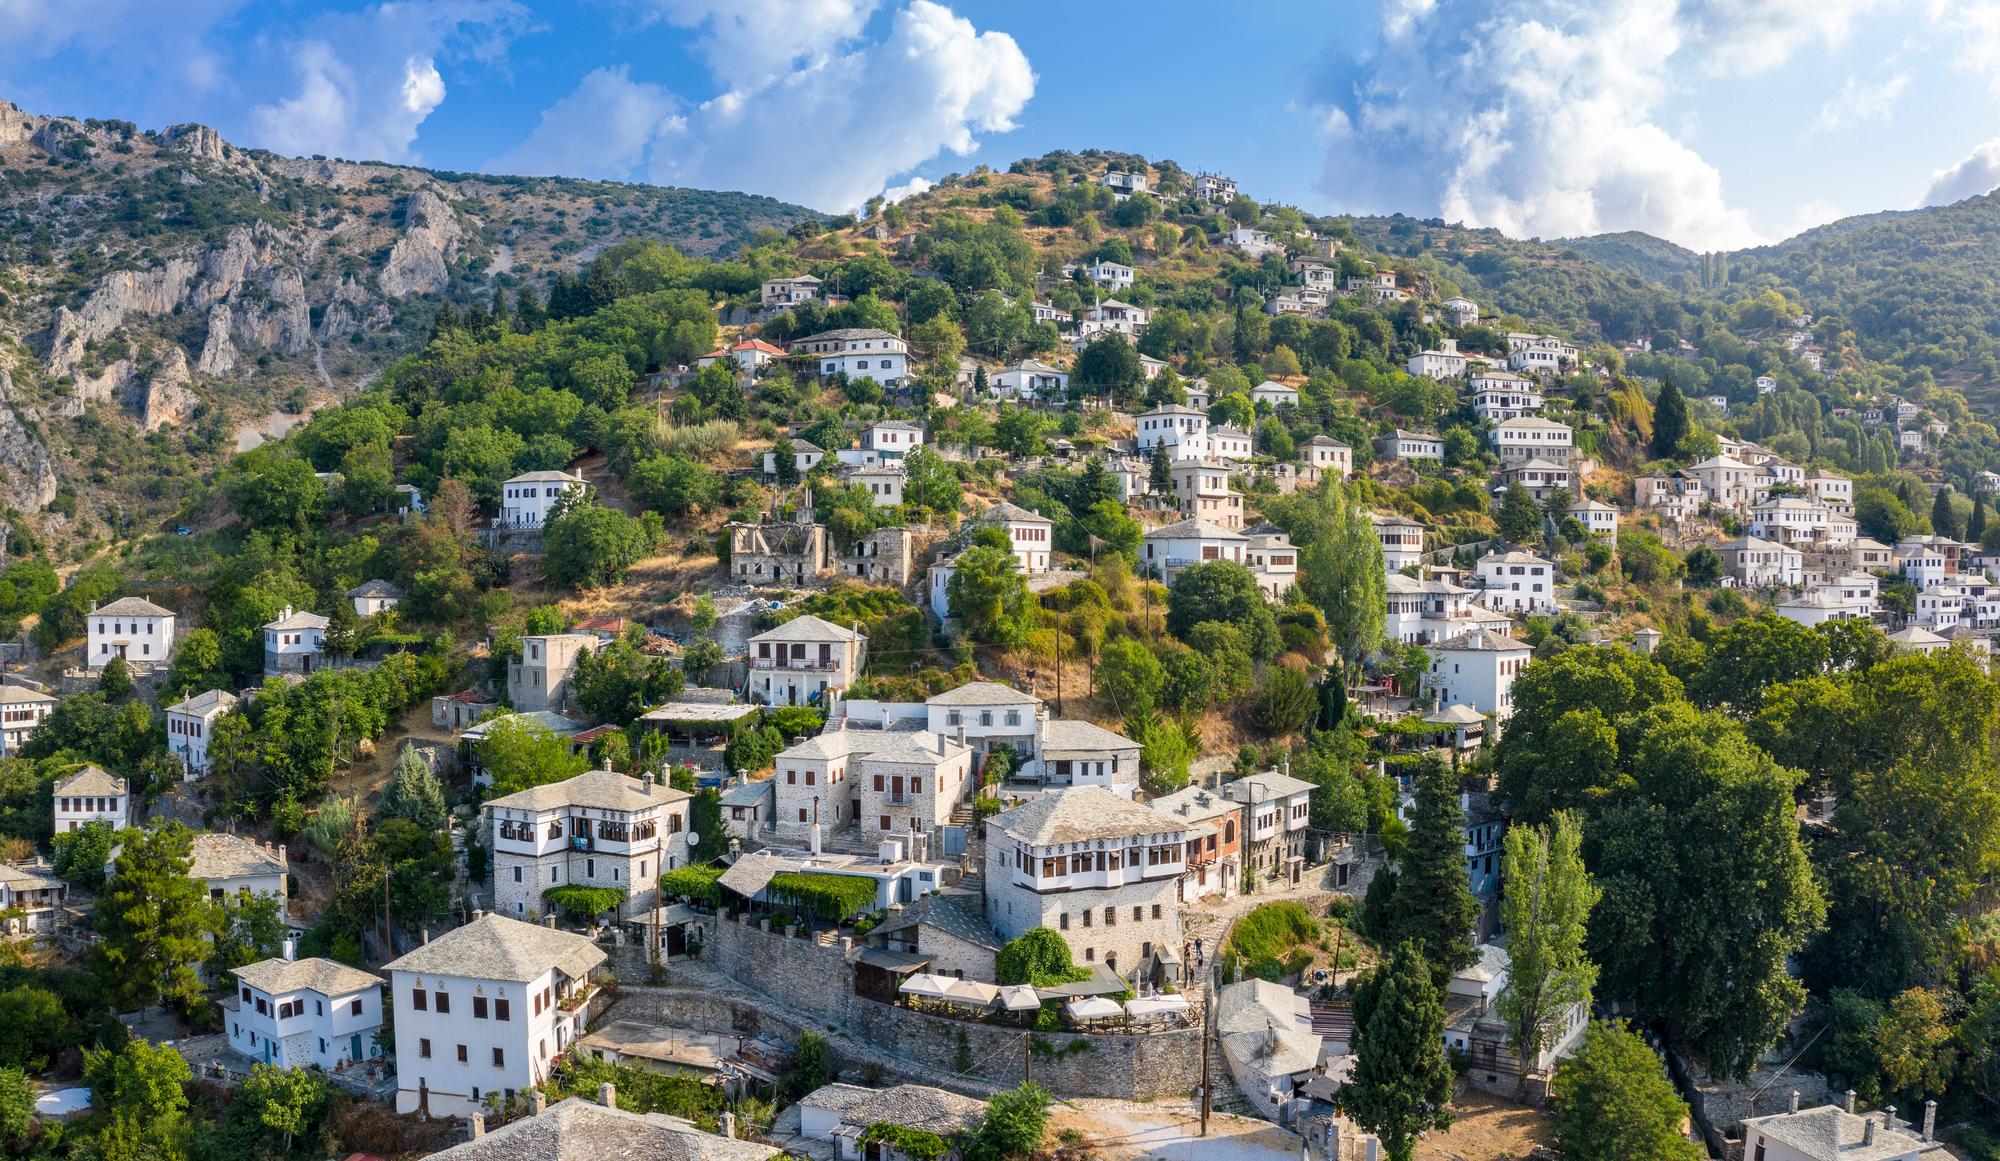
pixel 817 983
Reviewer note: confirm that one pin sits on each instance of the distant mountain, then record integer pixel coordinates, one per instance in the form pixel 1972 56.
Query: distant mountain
pixel 158 289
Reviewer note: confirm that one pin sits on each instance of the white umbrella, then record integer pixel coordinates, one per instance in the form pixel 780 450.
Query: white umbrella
pixel 924 984
pixel 1156 1005
pixel 1020 998
pixel 971 992
pixel 1094 1008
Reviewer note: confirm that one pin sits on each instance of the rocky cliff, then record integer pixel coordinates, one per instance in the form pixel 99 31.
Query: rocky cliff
pixel 172 285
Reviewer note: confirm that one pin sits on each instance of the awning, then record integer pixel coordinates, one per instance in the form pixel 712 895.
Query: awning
pixel 925 984
pixel 893 961
pixel 1094 1008
pixel 1147 1006
pixel 1019 998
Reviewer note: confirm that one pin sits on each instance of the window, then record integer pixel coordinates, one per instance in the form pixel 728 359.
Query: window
pixel 424 1049
pixel 517 874
pixel 354 1008
pixel 499 1005
pixel 1062 922
pixel 499 1058
pixel 1138 913
pixel 1156 910
pixel 444 1002
pixel 479 1007
pixel 419 999
pixel 461 1054
pixel 1089 955
pixel 1111 917
pixel 885 822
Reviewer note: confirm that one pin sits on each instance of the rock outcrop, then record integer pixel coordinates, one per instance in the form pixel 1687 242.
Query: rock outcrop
pixel 27 475
pixel 218 353
pixel 15 126
pixel 196 140
pixel 420 262
pixel 168 399
pixel 353 311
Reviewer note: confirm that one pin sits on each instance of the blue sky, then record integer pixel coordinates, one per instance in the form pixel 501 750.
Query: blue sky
pixel 1716 123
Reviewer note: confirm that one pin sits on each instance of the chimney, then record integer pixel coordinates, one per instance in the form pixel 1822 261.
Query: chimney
pixel 538 1102
pixel 1930 1121
pixel 1868 1130
pixel 475 1126
pixel 427 933
pixel 1847 1101
pixel 1794 1106
pixel 1889 1117
pixel 961 734
pixel 607 1095
pixel 289 949
pixel 549 921
pixel 478 913
pixel 727 1123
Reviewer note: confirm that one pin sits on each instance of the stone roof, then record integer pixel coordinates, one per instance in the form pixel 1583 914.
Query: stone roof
pixel 845 335
pixel 1070 734
pixel 596 789
pixel 753 872
pixel 834 744
pixel 1916 635
pixel 1005 512
pixel 1513 558
pixel 1530 423
pixel 131 607
pixel 375 588
pixel 956 915
pixel 581 1130
pixel 27 879
pixel 1195 804
pixel 915 1106
pixel 228 856
pixel 545 478
pixel 494 947
pixel 299 621
pixel 1268 784
pixel 982 693
pixel 809 628
pixel 91 780
pixel 1192 529
pixel 202 704
pixel 1481 641
pixel 327 977
pixel 1829 1133
pixel 914 747
pixel 22 695
pixel 1079 814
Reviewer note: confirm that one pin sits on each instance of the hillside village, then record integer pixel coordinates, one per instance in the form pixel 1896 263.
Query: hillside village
pixel 1075 634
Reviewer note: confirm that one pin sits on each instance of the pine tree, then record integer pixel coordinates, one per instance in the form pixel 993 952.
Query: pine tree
pixel 1670 422
pixel 1519 517
pixel 153 921
pixel 1434 908
pixel 1401 1079
pixel 1944 518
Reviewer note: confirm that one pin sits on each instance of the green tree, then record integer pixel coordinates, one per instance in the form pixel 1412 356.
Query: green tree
pixel 285 1101
pixel 1749 657
pixel 930 483
pixel 1019 432
pixel 1614 1102
pixel 248 928
pixel 17 1104
pixel 1016 1120
pixel 1109 367
pixel 519 753
pixel 1916 1045
pixel 1944 518
pixel 676 485
pixel 278 493
pixel 153 921
pixel 141 1083
pixel 1226 592
pixel 784 456
pixel 989 596
pixel 1670 422
pixel 82 854
pixel 588 546
pixel 115 680
pixel 1401 1083
pixel 1039 956
pixel 33 1028
pixel 1546 912
pixel 813 1064
pixel 1518 517
pixel 1435 911
pixel 1560 751
pixel 1284 704
pixel 1160 471
pixel 1340 570
pixel 1131 674
pixel 414 793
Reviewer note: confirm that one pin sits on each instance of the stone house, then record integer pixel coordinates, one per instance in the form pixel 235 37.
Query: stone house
pixel 598 829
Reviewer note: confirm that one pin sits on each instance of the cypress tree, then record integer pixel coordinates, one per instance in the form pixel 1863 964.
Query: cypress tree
pixel 1434 907
pixel 1160 473
pixel 1670 422
pixel 1401 1080
pixel 1944 520
pixel 1975 528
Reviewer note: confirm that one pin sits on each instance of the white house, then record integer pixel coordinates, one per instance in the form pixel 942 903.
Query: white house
pixel 986 714
pixel 1428 610
pixel 843 1114
pixel 783 293
pixel 1597 517
pixel 1402 540
pixel 857 352
pixel 1542 478
pixel 1030 379
pixel 1255 243
pixel 1029 535
pixel 231 865
pixel 131 627
pixel 1758 563
pixel 598 829
pixel 1463 311
pixel 805 456
pixel 1272 558
pixel 1126 184
pixel 1817 608
pixel 1411 445
pixel 1170 424
pixel 1790 520
pixel 31 900
pixel 1214 188
pixel 806 660
pixel 1100 871
pixel 488 1007
pixel 1114 275
pixel 1830 489
pixel 1170 549
pixel 749 355
pixel 1516 582
pixel 1724 480
pixel 1498 396
pixel 892 439
pixel 1324 454
pixel 190 727
pixel 1274 393
pixel 1079 753
pixel 304 1013
pixel 376 596
pixel 1539 354
pixel 1114 314
pixel 1838 1133
pixel 527 499
pixel 1477 669
pixel 883 483
pixel 1532 437
pixel 295 642
pixel 21 710
pixel 88 795
pixel 1443 363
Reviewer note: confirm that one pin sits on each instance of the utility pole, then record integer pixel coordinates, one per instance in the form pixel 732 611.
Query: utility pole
pixel 388 925
pixel 1207 1035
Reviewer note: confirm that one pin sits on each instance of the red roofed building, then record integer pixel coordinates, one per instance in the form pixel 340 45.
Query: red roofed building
pixel 750 354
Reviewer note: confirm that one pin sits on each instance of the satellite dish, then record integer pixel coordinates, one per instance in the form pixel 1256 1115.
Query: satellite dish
pixel 694 840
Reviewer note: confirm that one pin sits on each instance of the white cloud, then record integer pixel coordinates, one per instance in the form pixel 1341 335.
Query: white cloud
pixel 908 189
pixel 1857 101
pixel 1817 212
pixel 365 82
pixel 1973 27
pixel 1544 117
pixel 748 43
pixel 832 130
pixel 603 129
pixel 1977 174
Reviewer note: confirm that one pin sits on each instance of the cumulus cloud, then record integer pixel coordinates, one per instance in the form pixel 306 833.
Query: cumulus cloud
pixel 601 130
pixel 160 44
pixel 748 43
pixel 1979 173
pixel 908 189
pixel 1973 27
pixel 1858 101
pixel 832 129
pixel 365 82
pixel 1542 117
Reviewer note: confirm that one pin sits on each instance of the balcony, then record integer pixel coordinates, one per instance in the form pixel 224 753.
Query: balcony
pixel 799 664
